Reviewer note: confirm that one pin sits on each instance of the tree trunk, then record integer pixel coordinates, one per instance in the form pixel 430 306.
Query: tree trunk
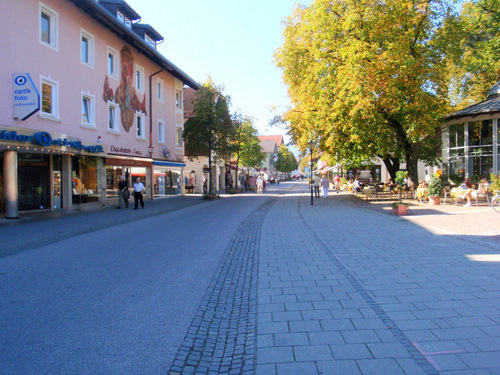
pixel 392 166
pixel 412 151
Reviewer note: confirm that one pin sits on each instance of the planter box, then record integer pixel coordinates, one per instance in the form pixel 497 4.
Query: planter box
pixel 434 201
pixel 400 210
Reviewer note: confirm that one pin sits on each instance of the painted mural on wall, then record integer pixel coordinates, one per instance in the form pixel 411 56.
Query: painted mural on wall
pixel 125 95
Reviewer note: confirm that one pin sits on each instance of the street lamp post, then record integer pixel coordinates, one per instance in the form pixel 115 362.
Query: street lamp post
pixel 311 144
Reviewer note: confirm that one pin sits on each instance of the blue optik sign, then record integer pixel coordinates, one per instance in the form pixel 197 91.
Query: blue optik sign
pixel 25 96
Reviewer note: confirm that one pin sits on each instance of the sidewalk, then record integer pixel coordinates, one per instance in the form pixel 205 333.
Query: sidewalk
pixel 473 223
pixel 347 288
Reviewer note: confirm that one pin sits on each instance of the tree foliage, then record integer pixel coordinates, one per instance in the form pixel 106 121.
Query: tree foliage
pixel 286 160
pixel 210 131
pixel 367 78
pixel 474 62
pixel 246 143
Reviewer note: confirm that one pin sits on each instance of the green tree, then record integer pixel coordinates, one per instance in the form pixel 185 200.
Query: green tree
pixel 210 131
pixel 246 144
pixel 367 78
pixel 286 160
pixel 475 62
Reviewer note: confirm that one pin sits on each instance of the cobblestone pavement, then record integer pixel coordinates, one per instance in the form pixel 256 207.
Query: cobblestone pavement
pixel 221 338
pixel 348 290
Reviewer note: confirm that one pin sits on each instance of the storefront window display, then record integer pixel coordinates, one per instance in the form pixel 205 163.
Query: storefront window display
pixel 137 172
pixel 113 174
pixel 167 182
pixel 190 181
pixel 86 179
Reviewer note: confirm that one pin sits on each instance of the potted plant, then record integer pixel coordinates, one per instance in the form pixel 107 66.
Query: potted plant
pixel 400 208
pixel 435 188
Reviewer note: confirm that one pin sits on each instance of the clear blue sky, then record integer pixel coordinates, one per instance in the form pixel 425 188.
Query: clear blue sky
pixel 231 40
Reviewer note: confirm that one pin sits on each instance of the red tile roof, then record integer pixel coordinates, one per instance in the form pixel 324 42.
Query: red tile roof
pixel 277 138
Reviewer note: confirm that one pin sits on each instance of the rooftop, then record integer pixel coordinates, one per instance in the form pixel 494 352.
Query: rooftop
pixel 277 138
pixel 490 106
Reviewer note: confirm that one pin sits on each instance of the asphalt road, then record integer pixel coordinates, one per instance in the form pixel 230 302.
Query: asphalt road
pixel 112 301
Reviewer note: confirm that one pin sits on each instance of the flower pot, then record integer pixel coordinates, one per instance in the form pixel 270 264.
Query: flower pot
pixel 400 210
pixel 434 201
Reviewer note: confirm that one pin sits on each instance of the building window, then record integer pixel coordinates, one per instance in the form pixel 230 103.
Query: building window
pixel 160 90
pixel 161 131
pixel 178 99
pixel 113 117
pixel 480 151
pixel 150 41
pixel 112 63
pixel 48 26
pixel 140 126
pixel 123 19
pixel 139 78
pixel 86 178
pixel 50 98
pixel 87 42
pixel 88 118
pixel 178 137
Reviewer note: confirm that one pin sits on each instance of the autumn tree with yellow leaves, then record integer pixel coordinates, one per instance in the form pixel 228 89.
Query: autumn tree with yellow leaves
pixel 367 78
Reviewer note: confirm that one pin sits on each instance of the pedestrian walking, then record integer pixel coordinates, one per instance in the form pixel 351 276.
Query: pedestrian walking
pixel 316 182
pixel 357 186
pixel 336 182
pixel 205 187
pixel 138 193
pixel 260 185
pixel 123 193
pixel 324 185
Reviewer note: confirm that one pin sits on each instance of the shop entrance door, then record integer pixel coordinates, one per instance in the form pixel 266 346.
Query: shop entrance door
pixel 33 182
pixel 56 191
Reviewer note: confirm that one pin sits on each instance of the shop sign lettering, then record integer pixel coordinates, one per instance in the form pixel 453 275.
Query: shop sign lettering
pixel 45 139
pixel 125 150
pixel 25 96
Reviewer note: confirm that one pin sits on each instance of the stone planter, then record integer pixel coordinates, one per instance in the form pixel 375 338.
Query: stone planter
pixel 400 210
pixel 434 201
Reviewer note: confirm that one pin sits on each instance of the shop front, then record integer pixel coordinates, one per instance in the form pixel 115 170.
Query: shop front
pixel 43 171
pixel 471 140
pixel 167 178
pixel 130 169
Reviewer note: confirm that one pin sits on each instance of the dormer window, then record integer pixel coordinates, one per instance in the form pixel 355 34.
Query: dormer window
pixel 150 41
pixel 123 19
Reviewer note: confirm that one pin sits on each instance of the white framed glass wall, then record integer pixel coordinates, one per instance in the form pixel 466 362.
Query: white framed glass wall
pixel 473 149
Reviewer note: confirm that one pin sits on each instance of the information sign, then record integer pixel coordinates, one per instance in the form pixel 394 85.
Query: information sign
pixel 25 96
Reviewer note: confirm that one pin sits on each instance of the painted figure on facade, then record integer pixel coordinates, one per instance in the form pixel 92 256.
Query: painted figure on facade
pixel 125 94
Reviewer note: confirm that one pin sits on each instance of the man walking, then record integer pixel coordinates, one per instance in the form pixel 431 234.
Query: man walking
pixel 123 193
pixel 138 193
pixel 316 181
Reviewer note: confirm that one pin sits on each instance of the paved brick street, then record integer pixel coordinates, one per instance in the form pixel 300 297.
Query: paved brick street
pixel 340 287
pixel 357 291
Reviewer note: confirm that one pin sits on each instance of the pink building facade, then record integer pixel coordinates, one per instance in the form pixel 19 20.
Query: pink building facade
pixel 110 106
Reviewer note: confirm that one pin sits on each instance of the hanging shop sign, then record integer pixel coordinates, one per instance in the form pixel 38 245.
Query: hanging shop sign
pixel 47 140
pixel 25 96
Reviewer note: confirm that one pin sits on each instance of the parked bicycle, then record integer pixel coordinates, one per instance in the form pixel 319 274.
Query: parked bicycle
pixel 495 202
